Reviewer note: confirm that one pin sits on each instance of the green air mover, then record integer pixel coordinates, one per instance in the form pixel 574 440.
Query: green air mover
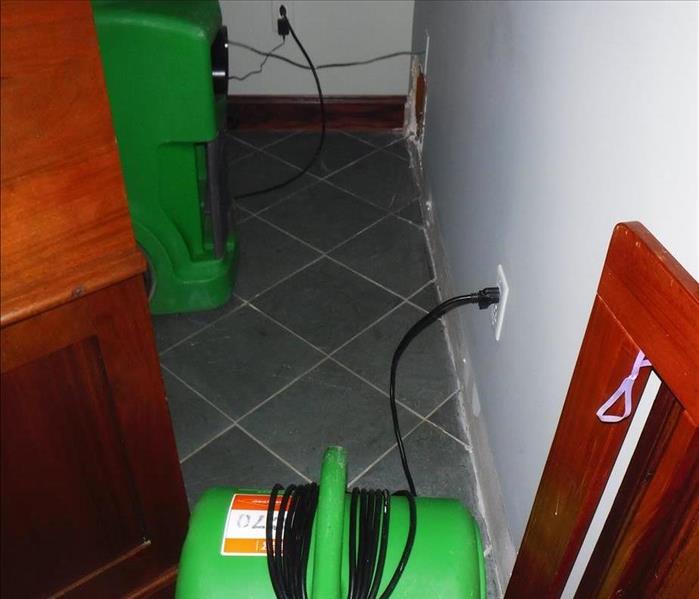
pixel 166 69
pixel 320 541
pixel 225 554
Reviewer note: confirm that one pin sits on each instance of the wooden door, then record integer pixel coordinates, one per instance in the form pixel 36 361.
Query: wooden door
pixel 649 545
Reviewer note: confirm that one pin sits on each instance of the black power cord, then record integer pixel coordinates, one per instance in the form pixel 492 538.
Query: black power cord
pixel 484 298
pixel 283 24
pixel 369 519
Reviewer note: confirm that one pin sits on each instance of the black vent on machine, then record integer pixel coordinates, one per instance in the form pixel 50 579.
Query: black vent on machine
pixel 219 61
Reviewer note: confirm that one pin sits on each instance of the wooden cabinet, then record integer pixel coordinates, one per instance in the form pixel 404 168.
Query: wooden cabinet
pixel 93 503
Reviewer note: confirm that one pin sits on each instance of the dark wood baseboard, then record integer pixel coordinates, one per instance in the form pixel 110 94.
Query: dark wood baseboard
pixel 303 112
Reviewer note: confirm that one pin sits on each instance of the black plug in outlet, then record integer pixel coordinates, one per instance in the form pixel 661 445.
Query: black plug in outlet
pixel 282 23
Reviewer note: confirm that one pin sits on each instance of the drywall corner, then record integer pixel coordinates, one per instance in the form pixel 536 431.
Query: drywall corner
pixel 492 505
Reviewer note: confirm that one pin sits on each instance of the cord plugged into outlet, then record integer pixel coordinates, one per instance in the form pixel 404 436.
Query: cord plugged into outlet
pixel 282 22
pixel 280 12
pixel 497 311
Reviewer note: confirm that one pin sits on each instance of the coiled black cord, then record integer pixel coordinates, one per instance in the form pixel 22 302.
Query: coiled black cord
pixel 288 540
pixel 321 139
pixel 288 551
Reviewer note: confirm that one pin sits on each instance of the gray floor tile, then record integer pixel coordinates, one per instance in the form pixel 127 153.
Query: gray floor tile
pixel 379 138
pixel 427 298
pixel 260 138
pixel 441 467
pixel 412 213
pixel 393 252
pixel 259 171
pixel 234 460
pixel 171 328
pixel 381 178
pixel 194 420
pixel 425 375
pixel 450 417
pixel 236 150
pixel 240 361
pixel 328 406
pixel 338 151
pixel 400 149
pixel 322 215
pixel 266 255
pixel 326 304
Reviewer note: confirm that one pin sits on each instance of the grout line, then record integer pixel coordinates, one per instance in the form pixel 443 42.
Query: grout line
pixel 420 423
pixel 336 187
pixel 372 150
pixel 365 329
pixel 186 384
pixel 282 389
pixel 467 447
pixel 336 261
pixel 206 326
pixel 216 436
pixel 330 357
pixel 355 136
pixel 383 455
pixel 284 278
pixel 288 330
pixel 359 274
pixel 261 217
pixel 405 406
pixel 231 133
pixel 276 455
pixel 360 377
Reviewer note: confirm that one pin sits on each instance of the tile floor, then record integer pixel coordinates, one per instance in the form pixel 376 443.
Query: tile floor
pixel 333 270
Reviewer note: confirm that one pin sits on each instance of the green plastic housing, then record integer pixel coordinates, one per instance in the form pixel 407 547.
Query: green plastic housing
pixel 157 65
pixel 446 561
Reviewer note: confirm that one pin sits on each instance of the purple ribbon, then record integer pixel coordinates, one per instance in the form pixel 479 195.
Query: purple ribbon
pixel 624 389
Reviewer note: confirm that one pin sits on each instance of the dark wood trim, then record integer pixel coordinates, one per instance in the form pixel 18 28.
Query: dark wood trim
pixel 303 112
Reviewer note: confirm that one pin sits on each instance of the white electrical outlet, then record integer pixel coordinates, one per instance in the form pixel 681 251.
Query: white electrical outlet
pixel 275 4
pixel 497 311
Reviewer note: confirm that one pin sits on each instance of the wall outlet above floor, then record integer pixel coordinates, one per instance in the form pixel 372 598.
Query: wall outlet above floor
pixel 497 311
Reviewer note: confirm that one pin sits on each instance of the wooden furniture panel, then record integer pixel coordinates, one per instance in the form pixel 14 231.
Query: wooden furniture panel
pixel 93 503
pixel 645 301
pixel 647 532
pixel 65 225
pixel 92 493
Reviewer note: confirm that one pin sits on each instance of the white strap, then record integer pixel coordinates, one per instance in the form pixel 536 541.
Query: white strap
pixel 624 389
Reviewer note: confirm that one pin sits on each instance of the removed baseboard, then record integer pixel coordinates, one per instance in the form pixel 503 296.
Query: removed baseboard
pixel 303 112
pixel 491 498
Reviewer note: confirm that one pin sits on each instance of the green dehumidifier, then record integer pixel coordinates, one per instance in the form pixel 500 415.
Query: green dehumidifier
pixel 166 69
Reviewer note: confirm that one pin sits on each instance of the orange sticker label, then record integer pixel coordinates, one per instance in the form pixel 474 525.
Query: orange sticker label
pixel 246 523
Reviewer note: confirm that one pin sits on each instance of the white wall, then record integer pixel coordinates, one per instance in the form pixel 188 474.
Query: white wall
pixel 546 124
pixel 331 31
